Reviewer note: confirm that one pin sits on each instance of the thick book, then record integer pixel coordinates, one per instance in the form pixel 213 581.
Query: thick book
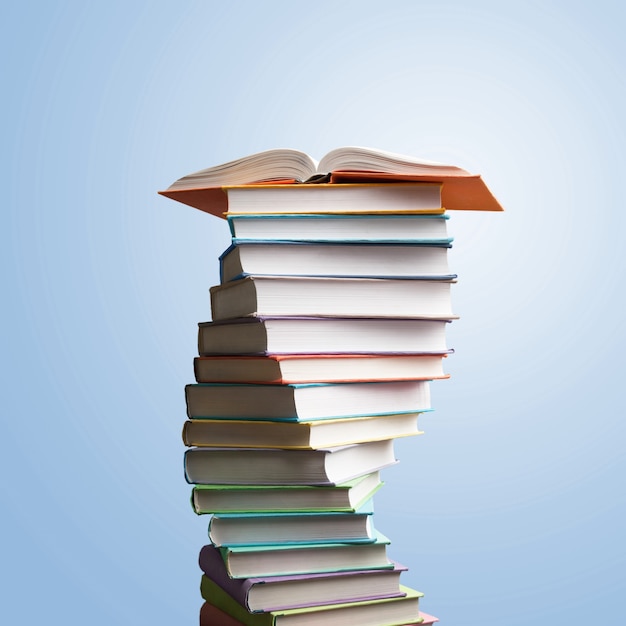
pixel 322 335
pixel 313 435
pixel 282 559
pixel 328 199
pixel 339 260
pixel 306 401
pixel 262 529
pixel 335 297
pixel 396 230
pixel 347 497
pixel 204 189
pixel 392 611
pixel 258 466
pixel 270 593
pixel 318 368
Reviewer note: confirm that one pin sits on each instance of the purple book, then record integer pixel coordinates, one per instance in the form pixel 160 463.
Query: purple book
pixel 295 591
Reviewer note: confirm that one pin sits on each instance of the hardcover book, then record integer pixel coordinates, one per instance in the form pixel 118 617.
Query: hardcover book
pixel 318 368
pixel 392 611
pixel 335 297
pixel 331 466
pixel 348 497
pixel 322 335
pixel 262 529
pixel 204 189
pixel 356 260
pixel 270 593
pixel 285 559
pixel 298 435
pixel 341 229
pixel 306 402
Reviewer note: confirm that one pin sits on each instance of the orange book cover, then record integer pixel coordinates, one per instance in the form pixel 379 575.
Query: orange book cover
pixel 459 193
pixel 462 192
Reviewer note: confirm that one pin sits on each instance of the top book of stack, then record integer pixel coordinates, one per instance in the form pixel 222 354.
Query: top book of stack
pixel 353 173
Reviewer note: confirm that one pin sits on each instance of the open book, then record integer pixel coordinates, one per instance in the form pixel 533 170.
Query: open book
pixel 207 189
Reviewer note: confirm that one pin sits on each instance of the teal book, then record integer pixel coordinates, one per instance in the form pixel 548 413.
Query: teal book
pixel 286 559
pixel 339 259
pixel 341 228
pixel 250 529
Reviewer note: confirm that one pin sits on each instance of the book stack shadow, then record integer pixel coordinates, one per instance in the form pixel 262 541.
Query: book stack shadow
pixel 328 327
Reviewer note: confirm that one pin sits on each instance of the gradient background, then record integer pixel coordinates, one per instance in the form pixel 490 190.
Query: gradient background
pixel 511 508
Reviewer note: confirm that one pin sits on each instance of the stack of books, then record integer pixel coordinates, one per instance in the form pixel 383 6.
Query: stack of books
pixel 327 327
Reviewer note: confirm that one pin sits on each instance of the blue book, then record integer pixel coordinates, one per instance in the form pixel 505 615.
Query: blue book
pixel 335 259
pixel 306 402
pixel 391 228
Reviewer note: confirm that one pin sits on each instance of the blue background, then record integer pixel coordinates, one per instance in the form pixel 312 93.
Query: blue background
pixel 511 508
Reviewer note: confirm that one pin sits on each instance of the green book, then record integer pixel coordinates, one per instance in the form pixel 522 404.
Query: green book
pixel 346 497
pixel 393 611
